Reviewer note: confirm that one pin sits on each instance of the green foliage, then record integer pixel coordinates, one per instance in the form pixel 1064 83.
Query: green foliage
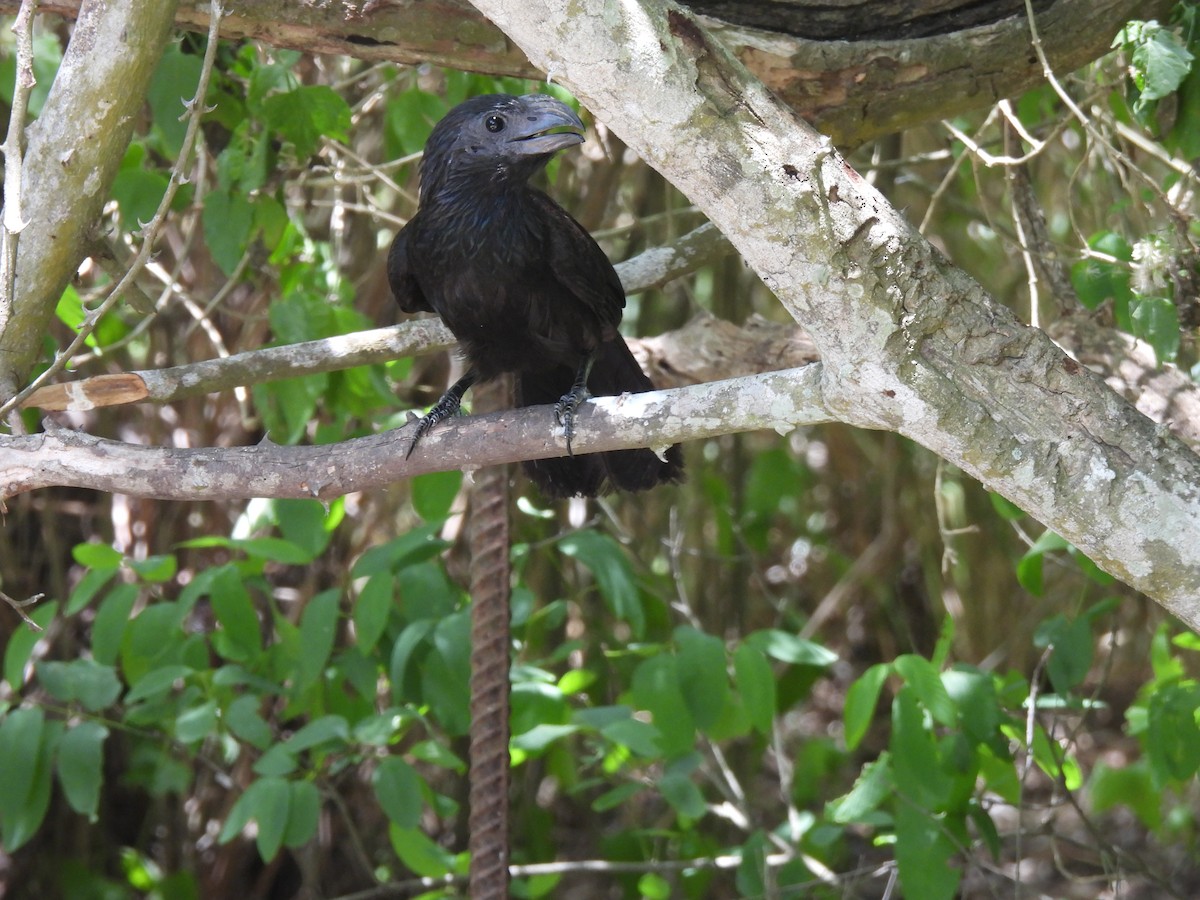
pixel 1159 61
pixel 304 669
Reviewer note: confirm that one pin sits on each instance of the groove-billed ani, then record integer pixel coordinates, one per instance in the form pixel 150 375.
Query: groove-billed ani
pixel 521 284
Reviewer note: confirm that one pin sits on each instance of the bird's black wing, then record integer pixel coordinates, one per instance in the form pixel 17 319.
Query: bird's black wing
pixel 400 275
pixel 580 265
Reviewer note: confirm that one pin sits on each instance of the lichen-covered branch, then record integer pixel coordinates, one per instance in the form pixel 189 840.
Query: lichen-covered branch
pixel 908 342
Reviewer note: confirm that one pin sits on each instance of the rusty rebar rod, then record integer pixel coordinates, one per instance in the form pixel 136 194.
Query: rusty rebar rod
pixel 490 643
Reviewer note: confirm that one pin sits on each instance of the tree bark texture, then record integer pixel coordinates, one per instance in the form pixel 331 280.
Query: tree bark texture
pixel 854 70
pixel 908 342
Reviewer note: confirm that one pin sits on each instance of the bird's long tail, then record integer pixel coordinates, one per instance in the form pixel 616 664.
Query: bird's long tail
pixel 614 372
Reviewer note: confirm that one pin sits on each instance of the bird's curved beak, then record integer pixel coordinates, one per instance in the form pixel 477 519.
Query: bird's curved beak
pixel 545 125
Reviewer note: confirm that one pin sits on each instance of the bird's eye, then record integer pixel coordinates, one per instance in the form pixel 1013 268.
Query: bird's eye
pixel 494 124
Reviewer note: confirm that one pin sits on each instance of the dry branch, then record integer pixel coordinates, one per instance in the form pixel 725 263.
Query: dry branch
pixel 779 400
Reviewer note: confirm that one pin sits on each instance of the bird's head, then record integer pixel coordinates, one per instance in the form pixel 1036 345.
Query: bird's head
pixel 502 138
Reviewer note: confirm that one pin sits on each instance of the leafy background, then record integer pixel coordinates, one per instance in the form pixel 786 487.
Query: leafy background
pixel 826 666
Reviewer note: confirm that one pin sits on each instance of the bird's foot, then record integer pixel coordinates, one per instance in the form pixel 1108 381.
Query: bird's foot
pixel 449 405
pixel 565 409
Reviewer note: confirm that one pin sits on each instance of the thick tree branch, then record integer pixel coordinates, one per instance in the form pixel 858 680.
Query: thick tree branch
pixel 779 400
pixel 851 89
pixel 908 343
pixel 74 150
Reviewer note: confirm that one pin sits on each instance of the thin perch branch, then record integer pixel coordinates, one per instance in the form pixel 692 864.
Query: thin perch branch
pixel 779 400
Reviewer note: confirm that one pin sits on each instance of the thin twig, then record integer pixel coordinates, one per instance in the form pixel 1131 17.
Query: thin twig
pixel 19 607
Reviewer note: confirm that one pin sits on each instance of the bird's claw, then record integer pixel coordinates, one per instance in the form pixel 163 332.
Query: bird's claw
pixel 564 413
pixel 445 408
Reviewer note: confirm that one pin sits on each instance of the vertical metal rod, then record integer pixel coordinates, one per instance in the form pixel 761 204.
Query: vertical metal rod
pixel 490 642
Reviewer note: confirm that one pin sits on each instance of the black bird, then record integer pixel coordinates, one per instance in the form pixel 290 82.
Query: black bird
pixel 522 285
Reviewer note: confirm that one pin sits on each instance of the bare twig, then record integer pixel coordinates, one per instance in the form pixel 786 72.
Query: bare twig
pixel 19 606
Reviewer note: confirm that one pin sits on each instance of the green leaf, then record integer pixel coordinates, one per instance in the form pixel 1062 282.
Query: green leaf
pixel 425 592
pixel 235 612
pixel 640 737
pixel 756 684
pixel 408 641
pixel 791 648
pixel 433 494
pixel 1029 569
pixel 304 812
pixel 614 575
pixel 244 721
pixel 271 808
pixel 307 113
pixel 923 854
pixel 700 668
pixel 276 550
pixel 654 887
pixel 414 546
pixel 20 742
pixel 156 682
pixel 1172 735
pixel 683 795
pixel 39 740
pixel 974 693
pixel 1156 321
pixel 155 569
pixel 915 757
pixel 446 688
pixel 1096 280
pixel 138 193
pixel 408 120
pixel 539 737
pixel 1073 650
pixel 873 785
pixel 174 83
pixel 861 699
pixel 1005 509
pixel 1131 785
pixel 614 798
pixel 1160 61
pixel 319 731
pixel 372 609
pixel 655 688
pixel 926 683
pixel 84 681
pixel 751 880
pixel 398 789
pixel 112 617
pixel 275 763
pixel 304 524
pixel 318 628
pixel 80 766
pixel 21 644
pixel 87 588
pixel 421 855
pixel 227 220
pixel 97 556
pixel 197 723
